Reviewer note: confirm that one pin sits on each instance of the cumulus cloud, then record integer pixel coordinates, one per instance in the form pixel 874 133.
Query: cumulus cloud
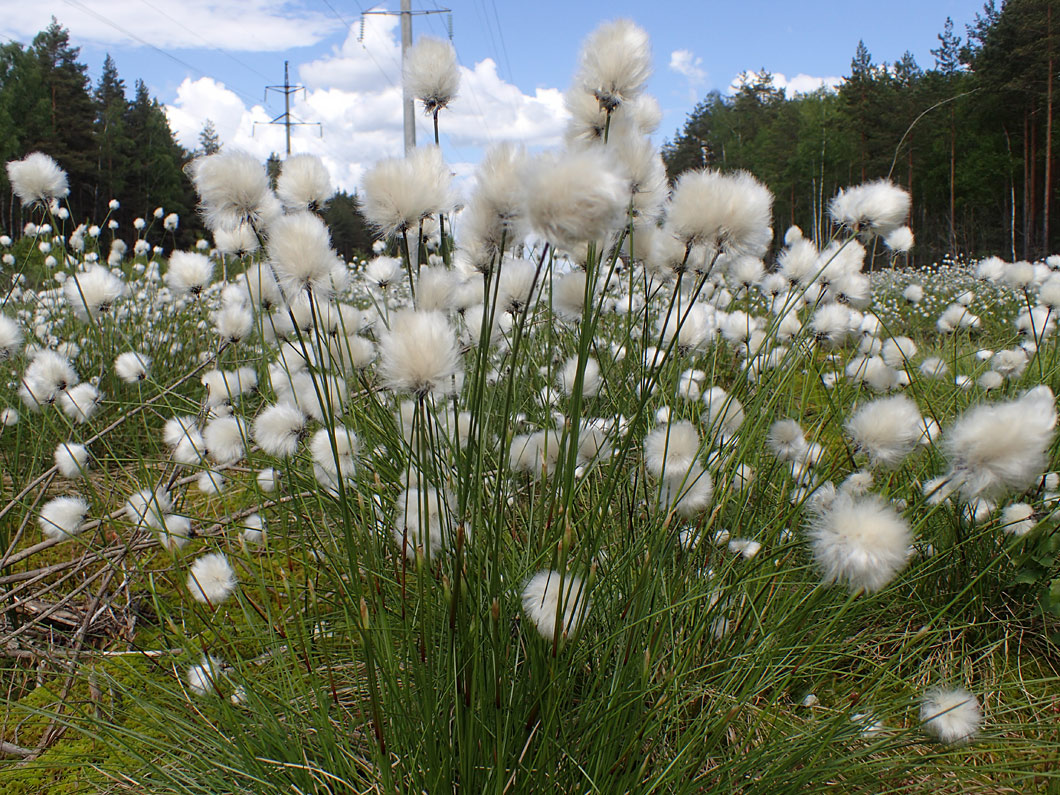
pixel 248 25
pixel 687 63
pixel 355 94
pixel 805 84
pixel 690 66
pixel 799 84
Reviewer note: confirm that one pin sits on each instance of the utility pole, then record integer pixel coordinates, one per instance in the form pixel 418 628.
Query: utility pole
pixel 408 101
pixel 285 118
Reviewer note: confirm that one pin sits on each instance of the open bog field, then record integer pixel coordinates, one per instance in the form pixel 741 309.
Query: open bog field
pixel 586 483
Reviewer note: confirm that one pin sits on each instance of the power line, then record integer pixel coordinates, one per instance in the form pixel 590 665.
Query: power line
pixel 360 38
pixel 504 46
pixel 197 35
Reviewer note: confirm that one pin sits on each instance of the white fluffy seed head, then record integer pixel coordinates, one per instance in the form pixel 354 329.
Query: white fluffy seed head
pixel 554 601
pixel 687 493
pixel 204 678
pixel 210 482
pixel 148 506
pixel 831 324
pixel 615 62
pixel 132 367
pixel 1017 519
pixel 10 337
pixel 318 397
pixel 494 219
pixel 568 295
pixel 535 454
pixel 887 430
pixel 234 189
pixel 996 448
pixel 37 179
pixel 1017 274
pixel 174 531
pixel 592 380
pixel 400 193
pixel 914 293
pixel 951 715
pixel 48 374
pixel 516 285
pixel 266 479
pixel 261 286
pixel 225 439
pixel 80 402
pixel 956 316
pixel 239 240
pixel 253 529
pixel 786 439
pixel 898 352
pixel 63 517
pixel 233 323
pixel 726 212
pixel 335 453
pixel 71 459
pixel 279 428
pixel 436 288
pixel 574 197
pixel 177 428
pixel 301 255
pixel 899 240
pixel 431 73
pixel 798 263
pixel 92 292
pixel 876 208
pixel 224 386
pixel 990 380
pixel 725 415
pixel 671 450
pixel 211 579
pixel 304 183
pixel 188 272
pixel 419 354
pixel 861 542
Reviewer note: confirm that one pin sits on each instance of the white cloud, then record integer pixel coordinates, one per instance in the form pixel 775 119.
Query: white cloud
pixel 804 84
pixel 690 66
pixel 247 25
pixel 686 63
pixel 799 84
pixel 355 94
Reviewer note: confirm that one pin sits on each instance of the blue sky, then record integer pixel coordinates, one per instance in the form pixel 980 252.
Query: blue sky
pixel 212 58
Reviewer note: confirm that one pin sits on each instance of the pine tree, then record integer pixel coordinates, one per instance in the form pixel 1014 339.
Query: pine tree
pixel 68 134
pixel 948 53
pixel 865 106
pixel 350 235
pixel 209 141
pixel 113 144
pixel 272 167
pixel 156 161
pixel 23 118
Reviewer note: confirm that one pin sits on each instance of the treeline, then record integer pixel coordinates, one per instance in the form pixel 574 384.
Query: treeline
pixel 972 138
pixel 111 146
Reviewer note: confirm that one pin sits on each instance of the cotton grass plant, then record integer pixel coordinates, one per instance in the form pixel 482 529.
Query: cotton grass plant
pixel 572 493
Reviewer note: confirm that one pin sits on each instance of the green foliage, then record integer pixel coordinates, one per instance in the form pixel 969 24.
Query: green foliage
pixel 109 145
pixel 966 138
pixel 350 234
